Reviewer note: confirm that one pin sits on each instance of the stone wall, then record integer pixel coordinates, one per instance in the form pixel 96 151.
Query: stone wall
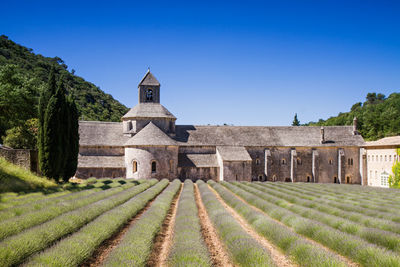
pixel 237 171
pixel 25 158
pixel 194 174
pixel 287 164
pixel 166 158
pixel 84 173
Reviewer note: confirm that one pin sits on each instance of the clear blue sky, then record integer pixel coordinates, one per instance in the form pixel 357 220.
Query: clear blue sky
pixel 236 62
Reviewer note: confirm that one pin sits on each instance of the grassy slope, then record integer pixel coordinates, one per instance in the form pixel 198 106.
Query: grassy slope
pixel 17 179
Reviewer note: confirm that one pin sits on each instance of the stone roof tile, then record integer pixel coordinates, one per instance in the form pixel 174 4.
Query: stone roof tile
pixel 149 79
pixel 97 133
pixel 149 110
pixel 308 136
pixel 150 135
pixel 387 141
pixel 233 153
pixel 101 161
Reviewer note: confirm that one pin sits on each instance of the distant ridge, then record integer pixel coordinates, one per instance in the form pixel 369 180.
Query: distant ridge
pixel 92 102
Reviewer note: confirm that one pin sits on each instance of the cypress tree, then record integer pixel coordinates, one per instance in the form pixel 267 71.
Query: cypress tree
pixel 54 135
pixel 71 162
pixel 44 98
pixel 296 121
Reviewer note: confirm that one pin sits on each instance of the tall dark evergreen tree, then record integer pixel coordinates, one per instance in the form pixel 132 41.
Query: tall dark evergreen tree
pixel 53 135
pixel 60 136
pixel 296 122
pixel 45 96
pixel 71 162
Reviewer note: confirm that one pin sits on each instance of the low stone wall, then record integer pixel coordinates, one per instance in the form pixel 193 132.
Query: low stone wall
pixel 24 158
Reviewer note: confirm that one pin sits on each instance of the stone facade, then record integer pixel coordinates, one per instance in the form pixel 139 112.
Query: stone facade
pixel 148 144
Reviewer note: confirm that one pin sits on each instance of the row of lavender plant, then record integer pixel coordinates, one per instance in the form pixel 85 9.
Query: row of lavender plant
pixel 188 246
pixel 379 211
pixel 15 249
pixel 243 249
pixel 76 248
pixel 386 239
pixel 303 252
pixel 347 245
pixel 137 244
pixel 15 225
pixel 368 218
pixel 358 196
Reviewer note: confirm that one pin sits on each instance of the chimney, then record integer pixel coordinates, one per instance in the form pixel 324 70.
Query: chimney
pixel 322 135
pixel 355 132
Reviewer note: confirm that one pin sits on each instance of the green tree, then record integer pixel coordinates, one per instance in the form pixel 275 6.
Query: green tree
pixel 23 137
pixel 17 97
pixel 54 135
pixel 394 179
pixel 295 122
pixel 44 99
pixel 71 163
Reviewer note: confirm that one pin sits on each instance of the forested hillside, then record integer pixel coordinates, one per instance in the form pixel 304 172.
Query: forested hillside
pixel 377 117
pixel 23 74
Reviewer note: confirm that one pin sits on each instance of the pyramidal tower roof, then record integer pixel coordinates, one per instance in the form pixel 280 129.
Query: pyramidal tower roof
pixel 149 79
pixel 150 135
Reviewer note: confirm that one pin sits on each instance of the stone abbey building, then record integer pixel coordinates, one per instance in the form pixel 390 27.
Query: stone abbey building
pixel 148 144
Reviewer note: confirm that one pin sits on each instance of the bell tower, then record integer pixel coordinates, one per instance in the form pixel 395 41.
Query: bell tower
pixel 149 89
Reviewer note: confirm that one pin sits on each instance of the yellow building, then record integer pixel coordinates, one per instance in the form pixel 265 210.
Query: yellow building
pixel 381 156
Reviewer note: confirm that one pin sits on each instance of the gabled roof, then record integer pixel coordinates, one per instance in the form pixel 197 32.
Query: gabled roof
pixel 101 161
pixel 149 79
pixel 233 153
pixel 150 135
pixel 387 141
pixel 148 110
pixel 286 136
pixel 100 133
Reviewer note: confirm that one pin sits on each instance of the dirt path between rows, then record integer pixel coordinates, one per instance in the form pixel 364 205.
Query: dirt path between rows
pixel 163 241
pixel 277 256
pixel 342 258
pixel 217 250
pixel 102 252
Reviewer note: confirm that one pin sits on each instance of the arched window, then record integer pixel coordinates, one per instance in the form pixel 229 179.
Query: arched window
pixel 298 161
pixel 149 95
pixel 283 161
pixel 153 167
pixel 257 161
pixel 134 166
pixel 308 179
pixel 330 161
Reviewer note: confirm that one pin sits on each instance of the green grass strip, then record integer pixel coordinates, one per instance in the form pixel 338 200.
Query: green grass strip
pixel 136 247
pixel 352 247
pixel 296 247
pixel 244 250
pixel 17 224
pixel 16 249
pixel 74 249
pixel 188 247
